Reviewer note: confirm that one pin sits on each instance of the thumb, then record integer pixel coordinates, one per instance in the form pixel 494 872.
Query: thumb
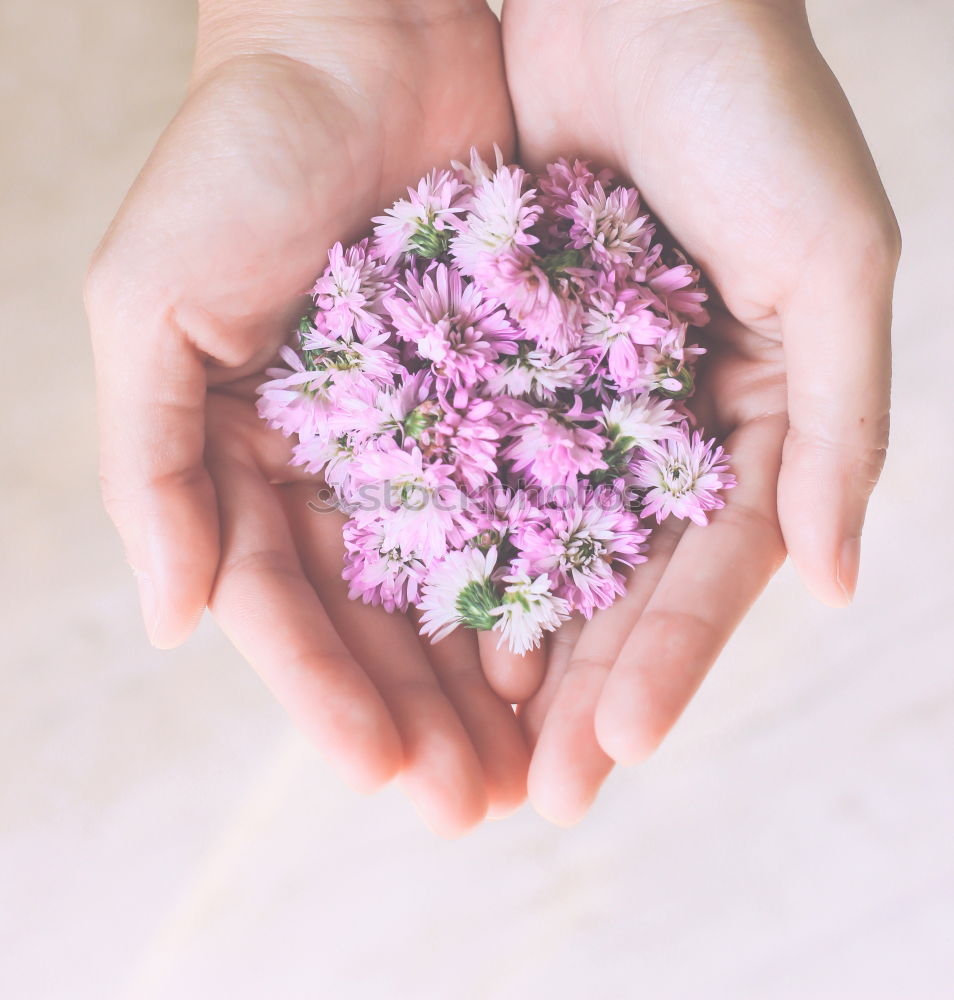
pixel 836 330
pixel 151 386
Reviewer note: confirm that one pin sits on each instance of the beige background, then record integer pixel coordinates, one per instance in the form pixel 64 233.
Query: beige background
pixel 163 833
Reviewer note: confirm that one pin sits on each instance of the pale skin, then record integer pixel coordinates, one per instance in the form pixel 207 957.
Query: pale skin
pixel 300 124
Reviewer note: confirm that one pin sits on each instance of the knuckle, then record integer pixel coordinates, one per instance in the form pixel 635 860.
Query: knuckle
pixel 877 238
pixel 861 460
pixel 579 665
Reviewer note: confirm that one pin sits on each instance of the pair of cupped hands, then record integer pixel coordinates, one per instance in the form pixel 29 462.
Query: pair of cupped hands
pixel 303 121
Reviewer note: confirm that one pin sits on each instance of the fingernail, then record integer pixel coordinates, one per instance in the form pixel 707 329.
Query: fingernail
pixel 149 602
pixel 848 563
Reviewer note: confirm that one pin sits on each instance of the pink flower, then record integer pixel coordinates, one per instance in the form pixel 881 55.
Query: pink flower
pixel 668 367
pixel 459 590
pixel 608 224
pixel 563 181
pixel 377 572
pixel 527 610
pixel 424 222
pixel 382 411
pixel 616 324
pixel 499 220
pixel 580 544
pixel 537 374
pixel 467 437
pixel 295 400
pixel 453 325
pixel 492 392
pixel 352 291
pixel 422 510
pixel 639 420
pixel 331 457
pixel 678 290
pixel 682 476
pixel 546 305
pixel 552 448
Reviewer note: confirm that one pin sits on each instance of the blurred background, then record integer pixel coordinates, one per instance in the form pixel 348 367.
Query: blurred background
pixel 164 833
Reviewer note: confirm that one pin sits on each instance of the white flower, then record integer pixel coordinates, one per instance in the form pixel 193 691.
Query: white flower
pixel 500 216
pixel 536 373
pixel 637 420
pixel 423 223
pixel 527 611
pixel 459 591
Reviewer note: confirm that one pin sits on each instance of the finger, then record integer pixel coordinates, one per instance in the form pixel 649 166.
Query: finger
pixel 150 387
pixel 269 610
pixel 714 575
pixel 836 334
pixel 513 676
pixel 569 765
pixel 488 719
pixel 442 771
pixel 559 647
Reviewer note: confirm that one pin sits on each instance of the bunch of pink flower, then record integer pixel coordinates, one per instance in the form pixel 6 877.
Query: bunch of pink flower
pixel 494 386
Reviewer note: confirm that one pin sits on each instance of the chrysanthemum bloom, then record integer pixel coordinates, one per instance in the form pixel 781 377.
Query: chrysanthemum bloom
pixel 536 374
pixel 683 476
pixel 453 325
pixel 377 571
pixel 616 325
pixel 494 387
pixel 580 545
pixel 678 291
pixel 528 609
pixel 352 291
pixel 552 448
pixel 423 510
pixel 638 420
pixel 423 223
pixel 467 437
pixel 500 218
pixel 608 223
pixel 543 294
pixel 459 591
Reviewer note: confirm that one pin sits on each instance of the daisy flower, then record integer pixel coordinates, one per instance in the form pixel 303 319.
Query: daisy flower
pixel 499 219
pixel 331 457
pixel 353 289
pixel 536 373
pixel 638 420
pixel 295 400
pixel 667 368
pixel 466 436
pixel 378 573
pixel 562 181
pixel 350 362
pixel 459 591
pixel 383 412
pixel 616 324
pixel 678 290
pixel 608 223
pixel 423 509
pixel 527 610
pixel 541 293
pixel 453 325
pixel 682 476
pixel 551 447
pixel 423 222
pixel 579 546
